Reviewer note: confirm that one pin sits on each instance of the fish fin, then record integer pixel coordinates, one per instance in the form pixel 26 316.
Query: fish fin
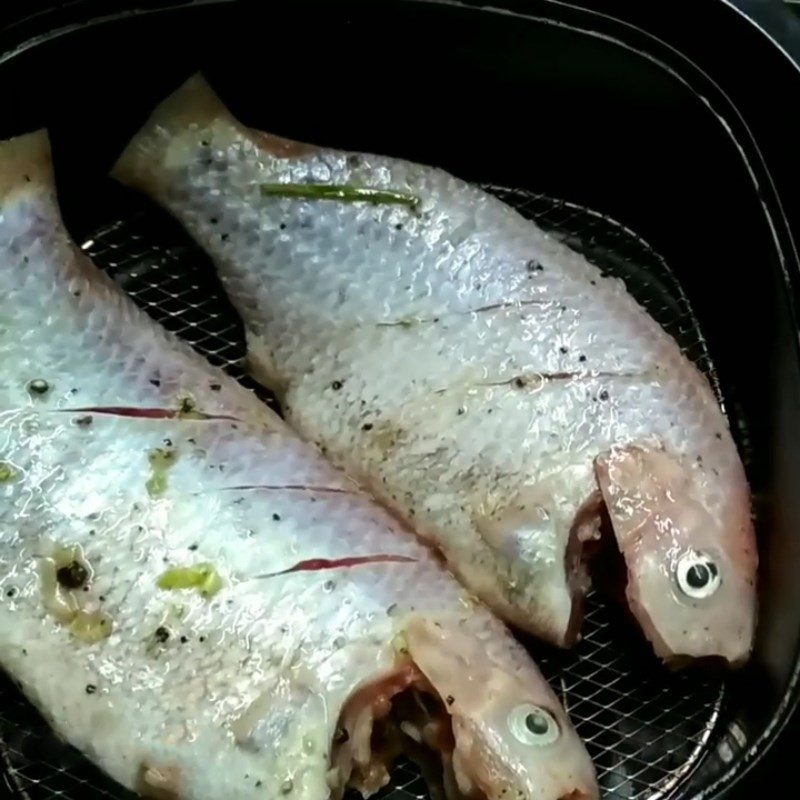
pixel 25 163
pixel 184 126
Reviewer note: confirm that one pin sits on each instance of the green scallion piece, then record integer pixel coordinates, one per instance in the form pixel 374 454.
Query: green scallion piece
pixel 202 577
pixel 341 192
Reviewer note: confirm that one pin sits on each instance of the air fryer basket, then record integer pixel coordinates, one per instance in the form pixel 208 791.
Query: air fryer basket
pixel 586 124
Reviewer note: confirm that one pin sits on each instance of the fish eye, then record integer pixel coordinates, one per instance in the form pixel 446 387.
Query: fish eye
pixel 697 575
pixel 533 725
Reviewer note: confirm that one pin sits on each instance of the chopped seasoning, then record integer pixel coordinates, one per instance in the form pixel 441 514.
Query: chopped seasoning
pixel 450 699
pixel 83 422
pixel 188 410
pixel 38 386
pixel 276 517
pixel 161 459
pixel 202 577
pixel 603 395
pixel 7 472
pixel 336 385
pixel 91 627
pixel 73 575
pixel 90 688
pixel 342 192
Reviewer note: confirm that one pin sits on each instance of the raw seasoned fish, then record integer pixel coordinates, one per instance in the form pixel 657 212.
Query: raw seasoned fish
pixel 194 597
pixel 487 382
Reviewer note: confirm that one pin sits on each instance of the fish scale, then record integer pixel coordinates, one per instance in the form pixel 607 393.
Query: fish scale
pixel 456 359
pixel 130 465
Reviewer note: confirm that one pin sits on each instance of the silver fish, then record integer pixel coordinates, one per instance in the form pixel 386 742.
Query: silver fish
pixel 483 379
pixel 194 597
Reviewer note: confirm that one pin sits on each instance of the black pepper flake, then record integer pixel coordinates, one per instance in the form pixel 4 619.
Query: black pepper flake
pixel 224 237
pixel 213 220
pixel 276 517
pixel 10 592
pixel 102 598
pixel 603 395
pixel 90 688
pixel 202 638
pixel 519 383
pixel 593 282
pixel 367 426
pixel 161 634
pixel 460 411
pixel 192 441
pixel 76 293
pixel 168 442
pixel 84 421
pixel 450 699
pixel 193 547
pixel 336 385
pixel 204 143
pixel 155 381
pixel 718 435
pixel 581 358
pixel 184 640
pixel 399 226
pixel 73 575
pixel 215 387
pixel 282 226
pixel 563 349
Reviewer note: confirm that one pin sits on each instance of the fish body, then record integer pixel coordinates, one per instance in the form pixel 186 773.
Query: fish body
pixel 484 380
pixel 194 597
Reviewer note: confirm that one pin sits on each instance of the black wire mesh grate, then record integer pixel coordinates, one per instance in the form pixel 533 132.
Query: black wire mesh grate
pixel 647 729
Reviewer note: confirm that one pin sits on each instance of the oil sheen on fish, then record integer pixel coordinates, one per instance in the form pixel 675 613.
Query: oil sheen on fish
pixel 487 382
pixel 194 597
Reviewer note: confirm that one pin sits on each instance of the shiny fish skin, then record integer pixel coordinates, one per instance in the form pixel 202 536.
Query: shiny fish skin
pixel 485 381
pixel 239 693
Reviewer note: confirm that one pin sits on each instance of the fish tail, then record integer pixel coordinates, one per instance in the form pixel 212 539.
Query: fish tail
pixel 171 135
pixel 186 129
pixel 25 164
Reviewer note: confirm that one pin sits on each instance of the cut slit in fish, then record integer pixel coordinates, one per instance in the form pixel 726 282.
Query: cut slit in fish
pixel 406 342
pixel 128 543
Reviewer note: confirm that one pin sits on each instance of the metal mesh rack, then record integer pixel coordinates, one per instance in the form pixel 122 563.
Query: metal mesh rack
pixel 647 729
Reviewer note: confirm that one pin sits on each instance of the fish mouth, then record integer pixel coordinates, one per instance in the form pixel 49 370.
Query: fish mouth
pixel 585 541
pixel 400 714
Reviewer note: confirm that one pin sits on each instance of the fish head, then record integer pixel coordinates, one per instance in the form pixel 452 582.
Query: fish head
pixel 687 540
pixel 512 739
